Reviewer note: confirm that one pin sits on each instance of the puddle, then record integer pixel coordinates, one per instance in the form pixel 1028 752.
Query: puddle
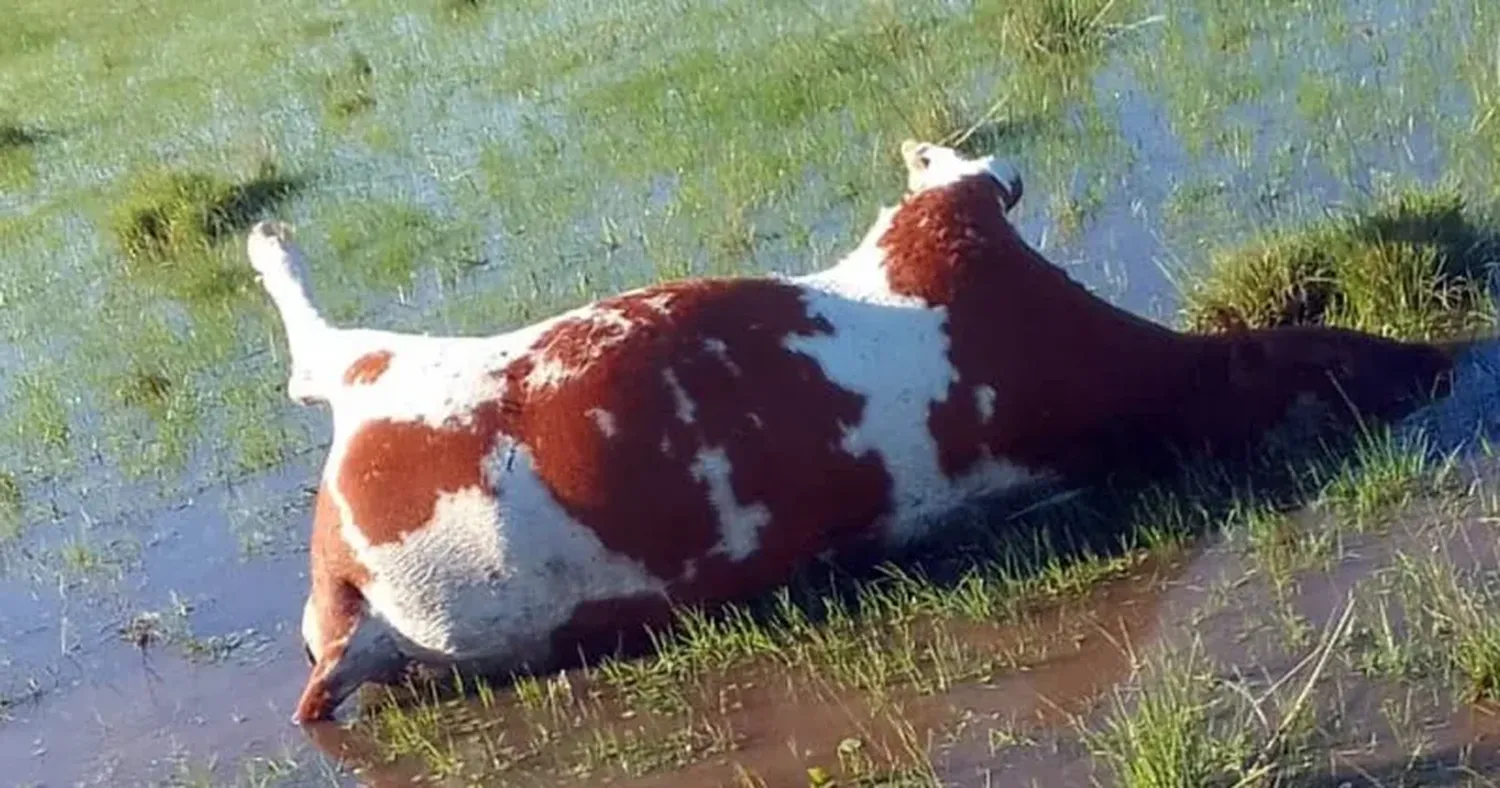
pixel 776 722
pixel 219 671
pixel 533 178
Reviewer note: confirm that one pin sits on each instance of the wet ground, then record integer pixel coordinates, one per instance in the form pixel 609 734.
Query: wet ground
pixel 153 562
pixel 1070 665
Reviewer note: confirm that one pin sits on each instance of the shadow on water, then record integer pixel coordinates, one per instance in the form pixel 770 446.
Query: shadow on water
pixel 15 136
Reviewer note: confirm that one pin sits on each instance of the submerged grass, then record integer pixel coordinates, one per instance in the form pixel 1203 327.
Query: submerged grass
pixel 1416 265
pixel 1182 721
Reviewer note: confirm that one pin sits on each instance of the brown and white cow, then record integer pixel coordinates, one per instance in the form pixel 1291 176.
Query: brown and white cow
pixel 504 502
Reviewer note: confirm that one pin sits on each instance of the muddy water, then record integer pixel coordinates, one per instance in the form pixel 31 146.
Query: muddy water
pixel 216 676
pixel 1022 726
pixel 782 724
pixel 220 556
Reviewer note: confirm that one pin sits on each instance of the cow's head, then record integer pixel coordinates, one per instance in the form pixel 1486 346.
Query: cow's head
pixel 931 166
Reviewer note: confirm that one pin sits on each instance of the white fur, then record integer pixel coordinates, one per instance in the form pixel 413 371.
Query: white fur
pixel 739 525
pixel 686 410
pixel 893 350
pixel 933 166
pixel 466 587
pixel 604 420
pixel 984 401
pixel 720 350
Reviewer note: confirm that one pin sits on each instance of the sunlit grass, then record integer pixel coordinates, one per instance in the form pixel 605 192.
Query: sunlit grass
pixel 1415 265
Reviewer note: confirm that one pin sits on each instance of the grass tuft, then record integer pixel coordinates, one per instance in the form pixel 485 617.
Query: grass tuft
pixel 1385 474
pixel 174 228
pixel 460 8
pixel 17 159
pixel 12 498
pixel 1061 28
pixel 1415 266
pixel 1457 610
pixel 16 136
pixel 350 91
pixel 1165 736
pixel 166 213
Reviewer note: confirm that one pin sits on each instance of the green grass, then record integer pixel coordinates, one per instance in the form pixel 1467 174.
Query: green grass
pixel 1177 723
pixel 1383 475
pixel 39 417
pixel 1063 28
pixel 487 164
pixel 17 157
pixel 166 213
pixel 1281 545
pixel 1458 612
pixel 350 91
pixel 12 501
pixel 172 627
pixel 1169 733
pixel 1413 265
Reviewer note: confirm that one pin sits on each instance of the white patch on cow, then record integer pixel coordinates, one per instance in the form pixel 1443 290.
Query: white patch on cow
pixel 984 401
pixel 548 373
pixel 661 302
pixel 684 407
pixel 860 275
pixel 945 166
pixel 666 445
pixel 720 350
pixel 756 420
pixel 893 351
pixel 415 577
pixel 604 420
pixel 492 577
pixel 739 526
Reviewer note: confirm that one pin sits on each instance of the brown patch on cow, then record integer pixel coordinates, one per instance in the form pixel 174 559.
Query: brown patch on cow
pixel 368 368
pixel 636 489
pixel 1082 386
pixel 619 626
pixel 331 555
pixel 394 472
pixel 337 602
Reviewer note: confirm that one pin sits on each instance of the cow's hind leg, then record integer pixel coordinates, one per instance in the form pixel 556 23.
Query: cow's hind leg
pixel 334 613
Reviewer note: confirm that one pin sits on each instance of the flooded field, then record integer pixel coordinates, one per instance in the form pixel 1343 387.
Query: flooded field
pixel 466 166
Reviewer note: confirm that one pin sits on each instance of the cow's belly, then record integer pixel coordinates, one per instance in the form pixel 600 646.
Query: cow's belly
pixel 493 577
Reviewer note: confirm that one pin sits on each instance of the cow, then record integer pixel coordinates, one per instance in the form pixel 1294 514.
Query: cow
pixel 501 503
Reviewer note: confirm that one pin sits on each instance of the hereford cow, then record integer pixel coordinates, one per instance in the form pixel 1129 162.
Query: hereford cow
pixel 504 502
